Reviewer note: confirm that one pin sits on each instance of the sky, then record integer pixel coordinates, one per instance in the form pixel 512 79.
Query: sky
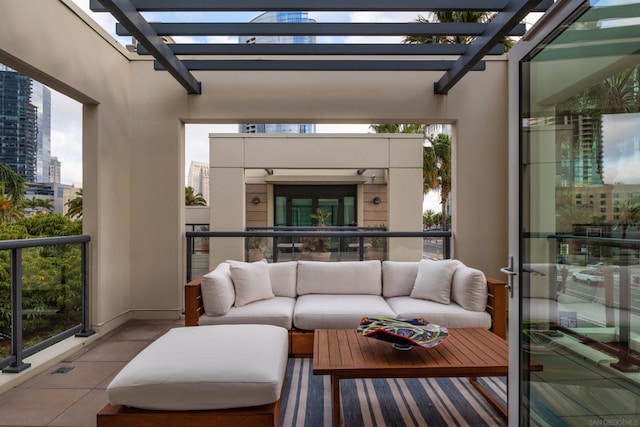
pixel 66 120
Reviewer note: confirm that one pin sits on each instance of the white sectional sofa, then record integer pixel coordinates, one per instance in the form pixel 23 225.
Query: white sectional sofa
pixel 302 296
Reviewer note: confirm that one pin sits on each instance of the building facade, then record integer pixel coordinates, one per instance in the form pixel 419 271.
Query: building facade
pixel 198 179
pixel 25 125
pixel 41 99
pixel 55 169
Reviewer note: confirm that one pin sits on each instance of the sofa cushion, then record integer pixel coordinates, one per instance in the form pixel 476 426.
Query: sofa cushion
pixel 251 282
pixel 218 293
pixel 449 315
pixel 205 368
pixel 433 281
pixel 276 311
pixel 469 288
pixel 283 278
pixel 337 311
pixel 398 277
pixel 348 277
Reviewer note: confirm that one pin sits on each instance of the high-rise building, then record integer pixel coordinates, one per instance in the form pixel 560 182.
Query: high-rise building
pixel 18 124
pixel 41 99
pixel 25 125
pixel 54 170
pixel 198 179
pixel 279 17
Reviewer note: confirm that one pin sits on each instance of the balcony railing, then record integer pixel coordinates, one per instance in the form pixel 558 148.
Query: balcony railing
pixel 336 243
pixel 43 296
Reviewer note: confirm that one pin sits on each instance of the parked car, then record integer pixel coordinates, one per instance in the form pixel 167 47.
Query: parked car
pixel 589 276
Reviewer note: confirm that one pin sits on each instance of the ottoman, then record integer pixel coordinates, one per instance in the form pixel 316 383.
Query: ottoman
pixel 222 374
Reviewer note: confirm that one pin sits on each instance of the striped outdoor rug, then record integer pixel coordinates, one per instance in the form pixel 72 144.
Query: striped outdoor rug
pixel 387 402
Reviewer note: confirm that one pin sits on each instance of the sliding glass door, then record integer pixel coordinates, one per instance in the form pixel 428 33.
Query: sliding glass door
pixel 577 296
pixel 294 204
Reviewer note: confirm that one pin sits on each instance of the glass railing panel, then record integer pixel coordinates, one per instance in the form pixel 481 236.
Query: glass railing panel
pixel 6 307
pixel 51 291
pixel 334 245
pixel 43 296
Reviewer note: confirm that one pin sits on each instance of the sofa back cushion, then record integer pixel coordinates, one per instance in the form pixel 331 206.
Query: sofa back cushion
pixel 218 293
pixel 348 277
pixel 283 278
pixel 398 278
pixel 469 288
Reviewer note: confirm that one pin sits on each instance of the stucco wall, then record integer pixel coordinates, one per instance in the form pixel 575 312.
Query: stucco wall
pixel 48 41
pixel 133 144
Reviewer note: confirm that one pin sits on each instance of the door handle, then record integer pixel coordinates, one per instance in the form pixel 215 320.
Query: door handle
pixel 510 274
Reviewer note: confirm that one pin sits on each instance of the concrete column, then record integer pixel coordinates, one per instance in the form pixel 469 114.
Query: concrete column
pixel 405 197
pixel 227 197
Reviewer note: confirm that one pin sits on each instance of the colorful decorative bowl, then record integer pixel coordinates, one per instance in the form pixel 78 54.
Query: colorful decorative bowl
pixel 403 333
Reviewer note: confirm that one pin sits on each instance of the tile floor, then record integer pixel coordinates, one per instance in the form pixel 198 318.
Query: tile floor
pixel 71 393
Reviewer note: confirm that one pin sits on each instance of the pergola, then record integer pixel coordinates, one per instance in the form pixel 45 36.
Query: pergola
pixel 322 57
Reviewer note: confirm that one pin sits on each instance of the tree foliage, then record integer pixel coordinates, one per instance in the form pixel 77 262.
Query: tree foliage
pixel 437 170
pixel 9 210
pixel 37 204
pixel 51 278
pixel 455 17
pixel 12 184
pixel 74 206
pixel 193 199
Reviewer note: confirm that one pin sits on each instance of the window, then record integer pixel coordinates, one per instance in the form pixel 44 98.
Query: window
pixel 294 204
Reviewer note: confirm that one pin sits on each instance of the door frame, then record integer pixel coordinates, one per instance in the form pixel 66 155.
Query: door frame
pixel 546 27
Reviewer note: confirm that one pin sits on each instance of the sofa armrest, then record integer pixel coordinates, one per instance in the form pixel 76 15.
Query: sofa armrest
pixel 497 306
pixel 193 305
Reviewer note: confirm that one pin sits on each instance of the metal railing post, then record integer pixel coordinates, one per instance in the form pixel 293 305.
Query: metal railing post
pixel 190 241
pixel 446 247
pixel 85 332
pixel 18 364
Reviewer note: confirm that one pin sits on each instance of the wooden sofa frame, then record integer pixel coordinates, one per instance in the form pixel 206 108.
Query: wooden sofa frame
pixel 301 342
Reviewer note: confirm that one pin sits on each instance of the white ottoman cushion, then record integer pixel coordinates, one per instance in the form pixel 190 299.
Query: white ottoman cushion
pixel 205 368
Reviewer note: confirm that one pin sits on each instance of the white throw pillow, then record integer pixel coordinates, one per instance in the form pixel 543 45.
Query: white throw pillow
pixel 251 281
pixel 218 294
pixel 433 281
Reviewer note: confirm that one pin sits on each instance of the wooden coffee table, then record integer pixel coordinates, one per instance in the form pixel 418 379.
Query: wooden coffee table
pixel 342 353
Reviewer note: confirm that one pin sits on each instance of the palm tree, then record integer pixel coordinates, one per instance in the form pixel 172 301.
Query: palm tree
pixel 398 128
pixel 628 214
pixel 437 170
pixel 455 17
pixel 46 204
pixel 74 206
pixel 191 199
pixel 35 203
pixel 436 166
pixel 427 218
pixel 12 183
pixel 569 215
pixel 8 210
